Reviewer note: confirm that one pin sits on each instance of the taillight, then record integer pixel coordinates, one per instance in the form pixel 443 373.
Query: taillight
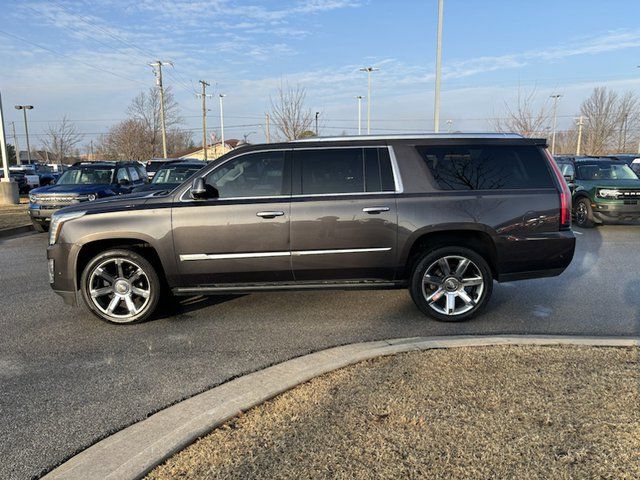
pixel 565 195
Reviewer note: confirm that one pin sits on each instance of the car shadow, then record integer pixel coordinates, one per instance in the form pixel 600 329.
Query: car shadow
pixel 177 307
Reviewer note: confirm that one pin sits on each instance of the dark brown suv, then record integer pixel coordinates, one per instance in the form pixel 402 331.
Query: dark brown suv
pixel 444 215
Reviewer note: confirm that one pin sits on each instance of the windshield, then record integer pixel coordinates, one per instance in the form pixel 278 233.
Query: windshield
pixel 175 174
pixel 606 171
pixel 86 176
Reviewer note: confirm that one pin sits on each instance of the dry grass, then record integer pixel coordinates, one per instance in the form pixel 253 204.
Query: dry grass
pixel 14 215
pixel 496 412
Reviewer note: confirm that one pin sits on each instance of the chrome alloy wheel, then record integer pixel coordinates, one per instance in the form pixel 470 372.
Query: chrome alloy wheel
pixel 119 288
pixel 452 285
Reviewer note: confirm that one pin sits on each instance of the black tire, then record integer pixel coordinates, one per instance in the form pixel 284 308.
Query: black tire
pixel 123 281
pixel 583 213
pixel 40 227
pixel 478 273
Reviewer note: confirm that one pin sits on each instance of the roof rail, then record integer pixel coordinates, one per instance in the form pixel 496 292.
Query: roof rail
pixel 411 136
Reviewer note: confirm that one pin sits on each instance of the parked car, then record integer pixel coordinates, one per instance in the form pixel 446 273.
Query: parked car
pixel 603 190
pixel 441 215
pixel 19 178
pixel 30 174
pixel 84 181
pixel 171 174
pixel 628 158
pixel 154 164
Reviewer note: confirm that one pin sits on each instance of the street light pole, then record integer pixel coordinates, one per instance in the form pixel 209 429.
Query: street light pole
pixel 24 109
pixel 222 95
pixel 436 102
pixel 369 71
pixel 317 113
pixel 580 124
pixel 555 119
pixel 359 97
pixel 3 148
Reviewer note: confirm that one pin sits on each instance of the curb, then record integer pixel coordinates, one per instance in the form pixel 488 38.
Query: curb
pixel 10 232
pixel 133 452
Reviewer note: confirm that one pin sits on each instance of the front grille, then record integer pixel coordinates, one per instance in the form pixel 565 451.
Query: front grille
pixel 625 193
pixel 56 199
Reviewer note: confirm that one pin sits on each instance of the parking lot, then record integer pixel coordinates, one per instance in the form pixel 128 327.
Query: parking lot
pixel 69 379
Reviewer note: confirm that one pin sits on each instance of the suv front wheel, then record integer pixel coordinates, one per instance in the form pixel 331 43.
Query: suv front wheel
pixel 451 284
pixel 120 286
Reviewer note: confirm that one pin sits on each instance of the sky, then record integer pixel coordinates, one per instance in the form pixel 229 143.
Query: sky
pixel 88 59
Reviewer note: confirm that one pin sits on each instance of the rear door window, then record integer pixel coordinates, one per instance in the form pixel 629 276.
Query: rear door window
pixel 344 170
pixel 487 167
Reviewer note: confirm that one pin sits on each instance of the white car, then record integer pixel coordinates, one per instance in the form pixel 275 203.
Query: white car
pixel 30 174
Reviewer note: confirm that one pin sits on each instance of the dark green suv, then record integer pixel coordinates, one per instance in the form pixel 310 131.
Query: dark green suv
pixel 603 190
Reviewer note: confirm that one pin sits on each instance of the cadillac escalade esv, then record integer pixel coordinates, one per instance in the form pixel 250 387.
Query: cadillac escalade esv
pixel 441 215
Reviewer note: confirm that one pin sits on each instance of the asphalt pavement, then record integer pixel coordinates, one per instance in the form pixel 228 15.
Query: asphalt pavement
pixel 67 379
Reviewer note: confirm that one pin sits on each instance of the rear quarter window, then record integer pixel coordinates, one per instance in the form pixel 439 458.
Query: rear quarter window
pixel 487 167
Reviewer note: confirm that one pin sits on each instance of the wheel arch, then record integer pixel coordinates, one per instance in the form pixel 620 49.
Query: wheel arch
pixel 141 246
pixel 477 239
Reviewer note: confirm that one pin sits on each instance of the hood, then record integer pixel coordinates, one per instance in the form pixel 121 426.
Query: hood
pixel 111 204
pixel 615 183
pixel 72 189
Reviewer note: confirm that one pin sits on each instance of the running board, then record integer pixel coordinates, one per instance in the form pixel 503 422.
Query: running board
pixel 266 287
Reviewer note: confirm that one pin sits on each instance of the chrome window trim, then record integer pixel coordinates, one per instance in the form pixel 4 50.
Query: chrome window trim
pixel 296 253
pixel 397 180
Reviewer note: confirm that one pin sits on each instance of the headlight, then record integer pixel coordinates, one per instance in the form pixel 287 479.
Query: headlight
pixel 609 193
pixel 57 220
pixel 91 197
pixel 32 198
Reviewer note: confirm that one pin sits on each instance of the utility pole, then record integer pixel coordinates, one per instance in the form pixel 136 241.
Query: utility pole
pixel 555 121
pixel 91 150
pixel 268 133
pixel 369 71
pixel 24 109
pixel 157 70
pixel 15 143
pixel 436 102
pixel 317 113
pixel 204 117
pixel 222 95
pixel 359 97
pixel 580 124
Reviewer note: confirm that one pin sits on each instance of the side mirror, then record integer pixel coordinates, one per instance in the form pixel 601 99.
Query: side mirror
pixel 123 182
pixel 569 178
pixel 200 190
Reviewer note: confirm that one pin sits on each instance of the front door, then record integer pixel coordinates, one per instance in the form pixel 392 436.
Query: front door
pixel 343 214
pixel 242 236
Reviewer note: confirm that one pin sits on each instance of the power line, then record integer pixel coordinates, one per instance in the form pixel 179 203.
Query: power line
pixel 11 35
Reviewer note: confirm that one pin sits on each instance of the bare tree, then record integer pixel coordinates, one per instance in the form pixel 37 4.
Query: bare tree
pixel 628 121
pixel 145 108
pixel 524 117
pixel 601 112
pixel 61 139
pixel 290 115
pixel 126 140
pixel 139 137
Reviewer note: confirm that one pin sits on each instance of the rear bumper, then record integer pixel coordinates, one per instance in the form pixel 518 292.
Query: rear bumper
pixel 615 212
pixel 535 256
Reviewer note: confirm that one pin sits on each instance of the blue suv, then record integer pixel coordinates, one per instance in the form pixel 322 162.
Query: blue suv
pixel 84 182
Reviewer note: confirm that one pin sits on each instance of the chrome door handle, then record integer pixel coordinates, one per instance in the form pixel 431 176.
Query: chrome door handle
pixel 374 210
pixel 270 214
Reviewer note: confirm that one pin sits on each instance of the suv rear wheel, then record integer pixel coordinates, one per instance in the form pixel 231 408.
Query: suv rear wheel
pixel 451 284
pixel 120 286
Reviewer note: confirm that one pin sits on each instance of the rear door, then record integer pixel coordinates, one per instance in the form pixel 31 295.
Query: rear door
pixel 343 214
